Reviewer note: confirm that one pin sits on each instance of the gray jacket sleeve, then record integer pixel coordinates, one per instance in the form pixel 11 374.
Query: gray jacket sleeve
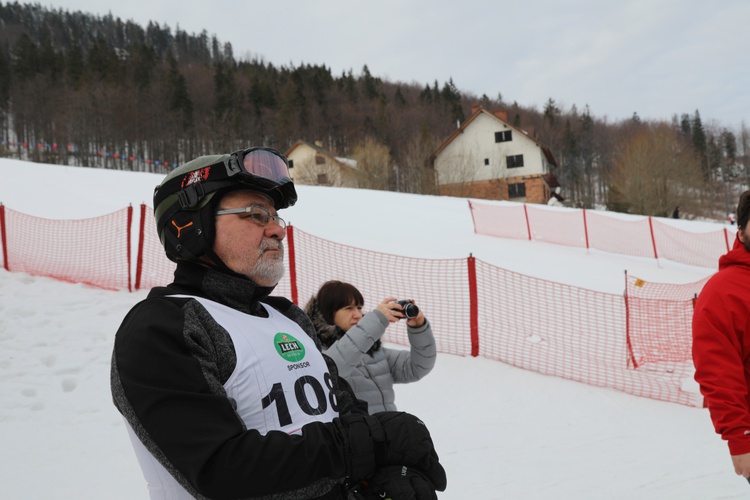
pixel 347 351
pixel 412 365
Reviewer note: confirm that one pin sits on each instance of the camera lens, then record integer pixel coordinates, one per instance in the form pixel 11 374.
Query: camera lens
pixel 410 310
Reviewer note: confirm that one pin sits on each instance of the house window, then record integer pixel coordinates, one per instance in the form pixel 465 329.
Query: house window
pixel 320 160
pixel 486 161
pixel 517 190
pixel 291 163
pixel 322 179
pixel 504 136
pixel 514 161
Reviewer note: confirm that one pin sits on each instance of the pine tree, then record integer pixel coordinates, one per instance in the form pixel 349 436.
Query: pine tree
pixel 26 62
pixel 74 66
pixel 551 111
pixel 143 63
pixel 700 145
pixel 369 84
pixel 5 81
pixel 178 96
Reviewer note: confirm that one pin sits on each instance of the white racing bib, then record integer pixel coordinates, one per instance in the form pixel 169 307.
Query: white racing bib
pixel 281 381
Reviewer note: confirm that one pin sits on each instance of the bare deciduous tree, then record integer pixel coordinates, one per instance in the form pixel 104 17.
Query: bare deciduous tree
pixel 654 173
pixel 414 174
pixel 374 164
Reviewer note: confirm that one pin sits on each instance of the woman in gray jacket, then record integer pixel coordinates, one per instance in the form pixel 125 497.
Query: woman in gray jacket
pixel 352 340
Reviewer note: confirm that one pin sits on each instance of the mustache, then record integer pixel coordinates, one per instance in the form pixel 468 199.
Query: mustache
pixel 271 244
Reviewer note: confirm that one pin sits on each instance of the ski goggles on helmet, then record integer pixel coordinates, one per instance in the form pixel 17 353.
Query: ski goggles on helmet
pixel 261 169
pixel 260 163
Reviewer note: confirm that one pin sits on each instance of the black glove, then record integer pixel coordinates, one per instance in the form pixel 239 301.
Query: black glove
pixel 408 442
pixel 389 438
pixel 396 483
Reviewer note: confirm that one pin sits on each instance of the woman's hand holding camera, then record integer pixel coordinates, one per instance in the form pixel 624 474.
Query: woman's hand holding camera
pixel 417 321
pixel 409 308
pixel 391 313
pixel 395 310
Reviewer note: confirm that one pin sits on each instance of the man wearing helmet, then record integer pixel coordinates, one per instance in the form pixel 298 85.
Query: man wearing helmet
pixel 223 388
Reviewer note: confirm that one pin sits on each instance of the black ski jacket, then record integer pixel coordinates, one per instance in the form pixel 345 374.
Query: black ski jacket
pixel 169 364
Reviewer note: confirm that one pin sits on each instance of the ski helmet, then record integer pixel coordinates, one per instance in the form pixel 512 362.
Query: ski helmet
pixel 186 201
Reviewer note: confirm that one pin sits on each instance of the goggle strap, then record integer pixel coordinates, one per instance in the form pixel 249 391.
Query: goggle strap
pixel 191 195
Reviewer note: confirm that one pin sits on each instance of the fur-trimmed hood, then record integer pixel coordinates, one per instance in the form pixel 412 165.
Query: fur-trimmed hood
pixel 327 333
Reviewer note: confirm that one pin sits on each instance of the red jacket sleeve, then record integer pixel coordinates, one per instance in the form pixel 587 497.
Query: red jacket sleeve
pixel 721 343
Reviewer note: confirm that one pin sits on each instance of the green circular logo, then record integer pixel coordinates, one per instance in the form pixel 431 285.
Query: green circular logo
pixel 288 347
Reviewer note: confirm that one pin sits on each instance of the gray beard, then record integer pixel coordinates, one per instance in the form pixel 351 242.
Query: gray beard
pixel 269 271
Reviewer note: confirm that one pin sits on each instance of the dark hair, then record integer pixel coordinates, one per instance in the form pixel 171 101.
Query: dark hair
pixel 335 295
pixel 743 210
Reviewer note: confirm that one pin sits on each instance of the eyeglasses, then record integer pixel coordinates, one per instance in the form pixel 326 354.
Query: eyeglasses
pixel 259 215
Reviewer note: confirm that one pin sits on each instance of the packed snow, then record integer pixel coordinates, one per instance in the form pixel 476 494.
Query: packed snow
pixel 501 432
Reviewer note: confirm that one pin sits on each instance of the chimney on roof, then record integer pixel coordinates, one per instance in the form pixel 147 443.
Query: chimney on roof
pixel 503 115
pixel 475 107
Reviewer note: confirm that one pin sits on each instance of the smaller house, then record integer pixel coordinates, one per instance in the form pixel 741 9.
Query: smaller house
pixel 488 158
pixel 313 165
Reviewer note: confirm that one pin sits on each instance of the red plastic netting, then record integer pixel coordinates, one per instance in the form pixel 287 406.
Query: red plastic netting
pixel 644 237
pixel 507 221
pixel 94 251
pixel 560 226
pixel 696 249
pixel 660 329
pixel 638 343
pixel 623 236
pixel 439 287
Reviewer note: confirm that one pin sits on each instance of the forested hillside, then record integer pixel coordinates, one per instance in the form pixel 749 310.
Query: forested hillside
pixel 99 91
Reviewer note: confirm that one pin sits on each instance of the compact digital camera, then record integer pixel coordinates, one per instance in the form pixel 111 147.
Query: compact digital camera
pixel 410 309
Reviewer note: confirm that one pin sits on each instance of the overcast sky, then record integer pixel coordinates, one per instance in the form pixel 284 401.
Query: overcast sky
pixel 653 57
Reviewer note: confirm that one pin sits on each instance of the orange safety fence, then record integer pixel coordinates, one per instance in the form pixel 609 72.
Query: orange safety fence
pixel 94 251
pixel 636 236
pixel 638 342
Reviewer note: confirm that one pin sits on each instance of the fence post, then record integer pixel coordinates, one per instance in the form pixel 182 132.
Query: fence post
pixel 473 221
pixel 473 306
pixel 3 237
pixel 585 229
pixel 628 341
pixel 139 258
pixel 653 240
pixel 130 252
pixel 292 263
pixel 726 238
pixel 528 226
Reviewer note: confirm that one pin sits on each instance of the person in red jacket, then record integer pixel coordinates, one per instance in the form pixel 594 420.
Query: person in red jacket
pixel 721 344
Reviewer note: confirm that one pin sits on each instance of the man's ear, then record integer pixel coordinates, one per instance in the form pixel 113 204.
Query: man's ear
pixel 741 236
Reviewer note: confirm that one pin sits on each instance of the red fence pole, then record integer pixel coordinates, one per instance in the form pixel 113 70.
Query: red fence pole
pixel 3 237
pixel 528 226
pixel 473 306
pixel 141 236
pixel 130 253
pixel 473 221
pixel 627 323
pixel 726 238
pixel 292 263
pixel 653 240
pixel 585 229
